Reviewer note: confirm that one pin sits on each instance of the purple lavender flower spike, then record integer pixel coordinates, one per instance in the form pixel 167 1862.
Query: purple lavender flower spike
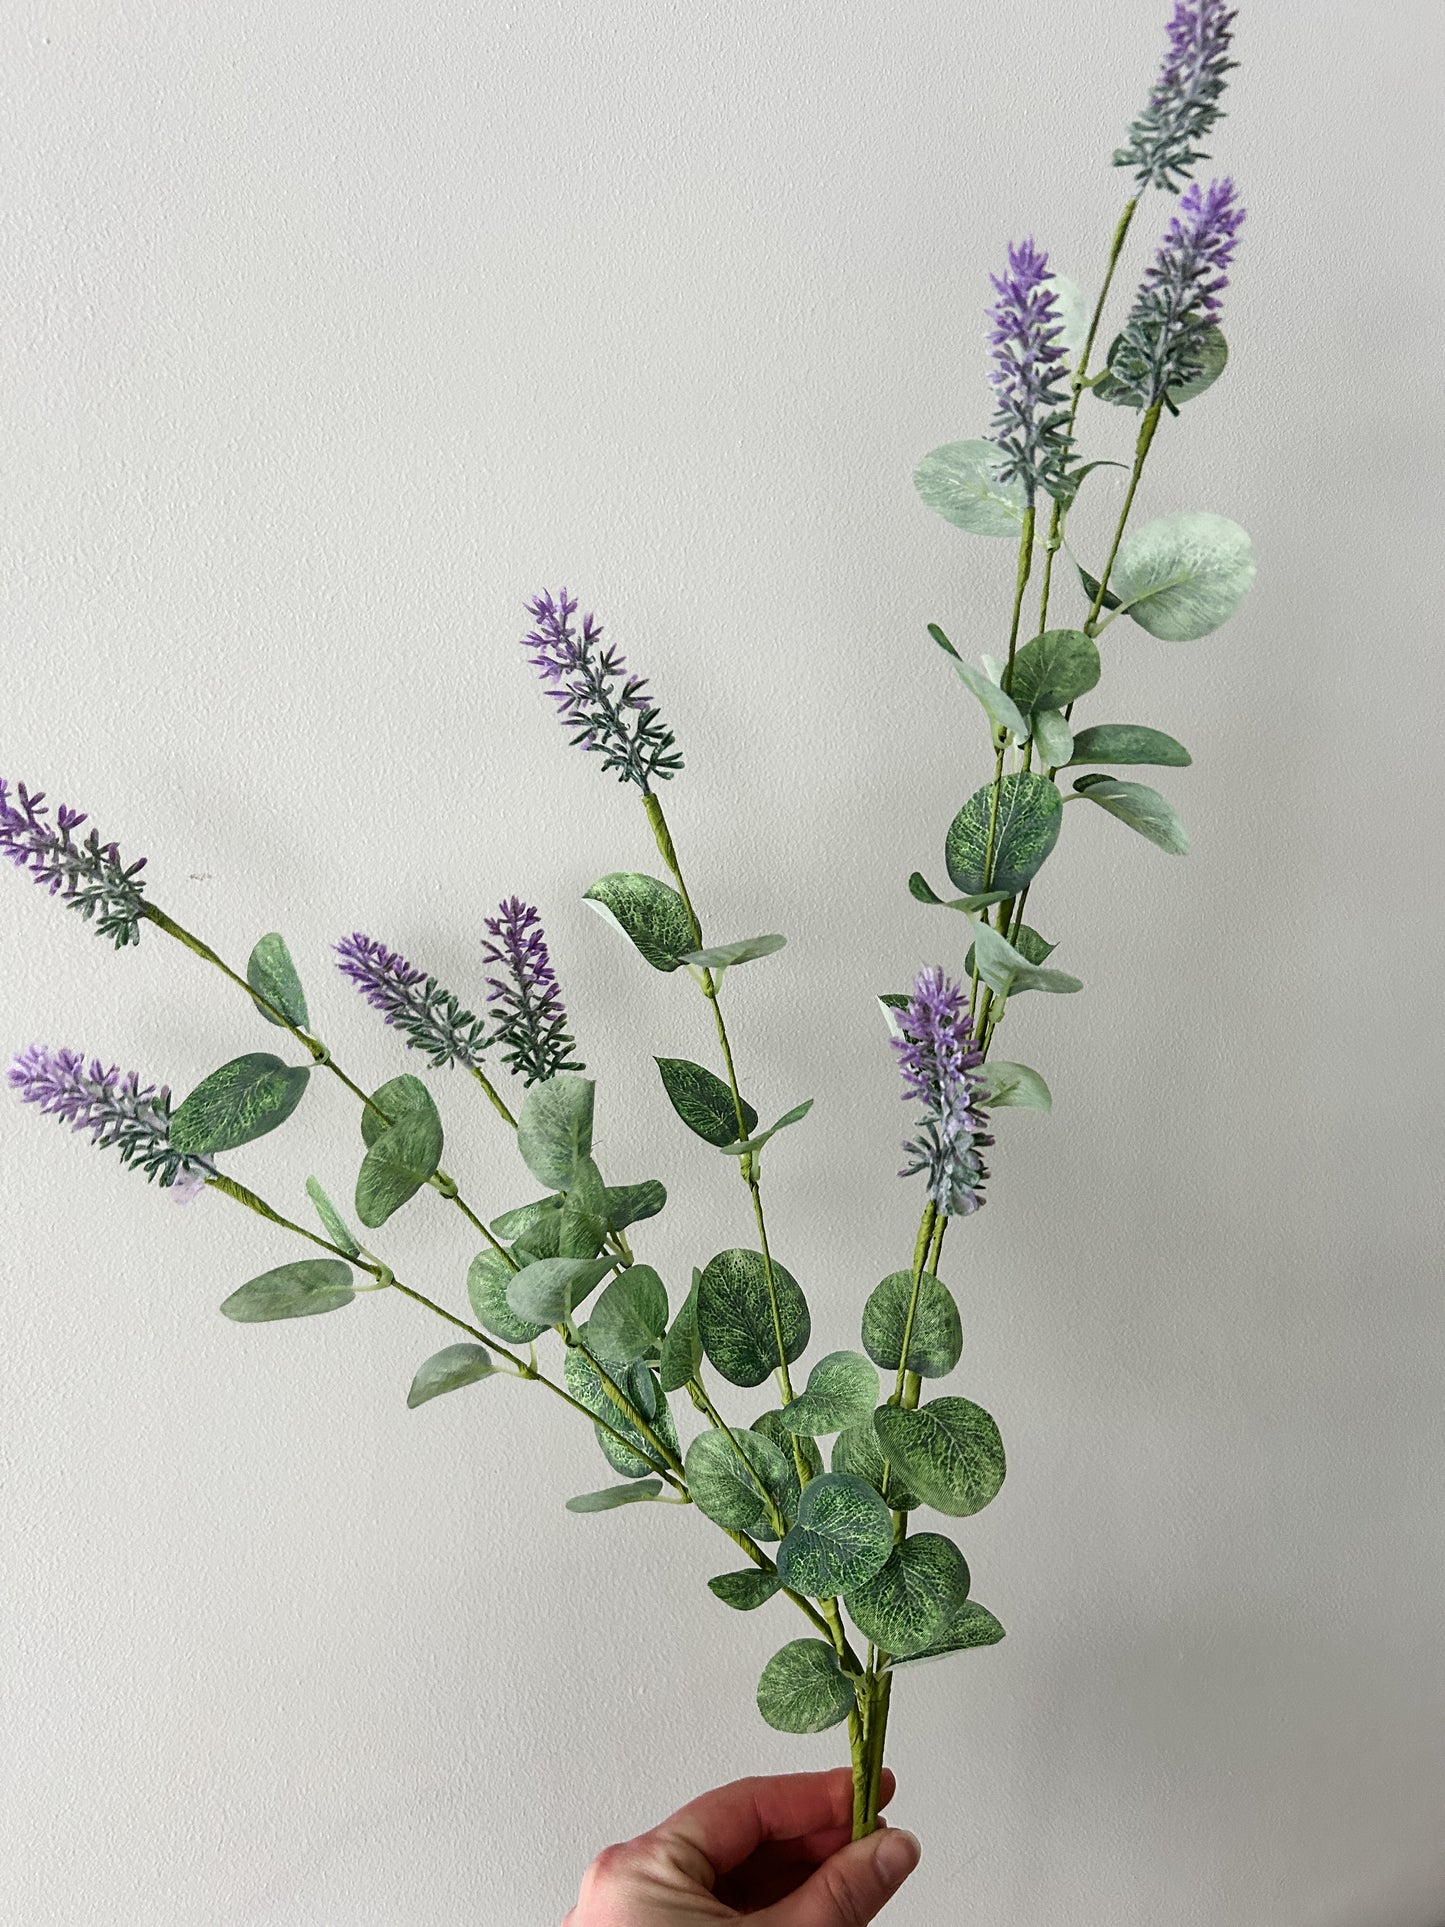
pixel 1030 423
pixel 1163 343
pixel 525 1001
pixel 429 1017
pixel 608 709
pixel 88 873
pixel 118 1111
pixel 1163 143
pixel 939 1061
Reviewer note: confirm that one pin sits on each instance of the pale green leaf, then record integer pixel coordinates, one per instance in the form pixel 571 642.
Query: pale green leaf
pixel 1142 808
pixel 842 1390
pixel 550 1290
pixel 487 1280
pixel 297 1290
pixel 1014 1084
pixel 554 1129
pixel 335 1226
pixel 1054 737
pixel 1184 575
pixel 612 1496
pixel 961 482
pixel 629 1318
pixel 272 975
pixel 448 1370
pixel 722 956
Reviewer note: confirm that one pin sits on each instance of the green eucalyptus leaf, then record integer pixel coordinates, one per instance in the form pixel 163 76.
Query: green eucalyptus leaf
pixel 1030 813
pixel 579 1233
pixel 1215 358
pixel 843 1536
pixel 551 1289
pixel 858 1451
pixel 703 1101
pixel 241 1101
pixel 272 975
pixel 745 1591
pixel 722 956
pixel 804 1690
pixel 970 1625
pixel 629 1318
pixel 515 1224
pixel 399 1098
pixel 640 1388
pixel 1090 585
pixel 448 1370
pixel 297 1290
pixel 1013 1084
pixel 942 640
pixel 487 1280
pixel 682 1348
pixel 733 1485
pixel 1142 808
pixel 1054 670
pixel 335 1226
pixel 1002 711
pixel 922 890
pixel 842 1390
pixel 554 1129
pixel 1054 737
pixel 542 1239
pixel 612 1496
pixel 949 1451
pixel 772 1426
pixel 936 1343
pixel 908 1606
pixel 1008 972
pixel 755 1145
pixel 961 482
pixel 651 915
pixel 629 1204
pixel 1184 575
pixel 398 1164
pixel 1129 743
pixel 735 1316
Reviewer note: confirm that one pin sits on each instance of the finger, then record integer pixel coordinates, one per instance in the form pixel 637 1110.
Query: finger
pixel 778 1868
pixel 726 1825
pixel 852 1887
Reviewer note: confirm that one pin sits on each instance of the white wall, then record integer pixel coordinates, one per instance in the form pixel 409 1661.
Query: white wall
pixel 329 333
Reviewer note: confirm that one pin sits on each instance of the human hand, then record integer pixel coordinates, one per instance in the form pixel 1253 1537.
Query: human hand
pixel 778 1850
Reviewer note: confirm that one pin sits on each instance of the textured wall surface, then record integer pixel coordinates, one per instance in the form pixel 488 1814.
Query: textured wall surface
pixel 327 333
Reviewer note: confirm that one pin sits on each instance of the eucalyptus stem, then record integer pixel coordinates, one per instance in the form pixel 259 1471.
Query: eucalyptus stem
pixel 1142 446
pixel 1025 566
pixel 498 1103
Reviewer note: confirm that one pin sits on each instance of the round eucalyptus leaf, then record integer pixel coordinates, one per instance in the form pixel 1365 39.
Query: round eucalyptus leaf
pixel 1184 575
pixel 907 1607
pixel 629 1318
pixel 843 1536
pixel 745 1591
pixel 551 1289
pixel 640 1389
pixel 682 1348
pixel 1129 743
pixel 1013 1084
pixel 961 482
pixel 272 975
pixel 949 1451
pixel 628 1204
pixel 487 1279
pixel 515 1224
pixel 297 1290
pixel 1141 807
pixel 1054 669
pixel 1214 358
pixel 936 1343
pixel 612 1496
pixel 554 1129
pixel 396 1167
pixel 400 1097
pixel 448 1370
pixel 702 1100
pixel 770 1424
pixel 241 1101
pixel 858 1451
pixel 969 1625
pixel 651 915
pixel 735 1316
pixel 804 1690
pixel 733 1485
pixel 1030 813
pixel 842 1390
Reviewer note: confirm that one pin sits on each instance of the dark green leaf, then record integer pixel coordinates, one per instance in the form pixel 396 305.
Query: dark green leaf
pixel 1090 584
pixel 292 1291
pixel 335 1226
pixel 936 1343
pixel 908 1606
pixel 551 1289
pixel 515 1224
pixel 272 975
pixel 736 1485
pixel 735 1316
pixel 842 1390
pixel 400 1097
pixel 448 1370
pixel 1129 743
pixel 1015 1084
pixel 1030 811
pixel 961 482
pixel 640 1389
pixel 703 1101
pixel 971 1625
pixel 682 1348
pixel 650 914
pixel 1183 576
pixel 1054 670
pixel 487 1282
pixel 858 1451
pixel 242 1100
pixel 942 640
pixel 843 1536
pixel 1142 808
pixel 612 1496
pixel 1215 359
pixel 628 1204
pixel 745 1591
pixel 948 1450
pixel 722 956
pixel 1002 711
pixel 770 1424
pixel 629 1318
pixel 923 891
pixel 542 1239
pixel 554 1129
pixel 804 1690
pixel 398 1165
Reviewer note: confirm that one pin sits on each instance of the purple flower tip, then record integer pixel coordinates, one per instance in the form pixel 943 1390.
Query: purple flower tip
pixel 429 1017
pixel 116 1110
pixel 1032 409
pixel 525 1001
pixel 606 708
pixel 1163 143
pixel 939 1060
pixel 1163 343
pixel 89 874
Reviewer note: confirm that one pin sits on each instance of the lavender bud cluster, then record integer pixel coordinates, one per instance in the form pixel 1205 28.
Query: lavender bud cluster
pixel 939 1061
pixel 429 1017
pixel 1163 342
pixel 89 874
pixel 1163 143
pixel 607 709
pixel 118 1111
pixel 1031 397
pixel 524 1000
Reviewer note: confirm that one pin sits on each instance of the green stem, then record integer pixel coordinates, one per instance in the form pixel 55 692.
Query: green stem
pixel 1141 450
pixel 491 1090
pixel 624 1405
pixel 921 1243
pixel 1025 565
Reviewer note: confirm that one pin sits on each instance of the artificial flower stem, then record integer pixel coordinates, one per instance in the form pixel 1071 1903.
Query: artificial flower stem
pixel 496 1099
pixel 1025 565
pixel 1141 451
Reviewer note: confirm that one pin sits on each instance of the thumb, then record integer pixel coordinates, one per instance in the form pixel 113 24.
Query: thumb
pixel 852 1887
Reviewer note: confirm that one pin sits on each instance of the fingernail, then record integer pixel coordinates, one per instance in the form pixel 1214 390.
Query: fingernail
pixel 898 1855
